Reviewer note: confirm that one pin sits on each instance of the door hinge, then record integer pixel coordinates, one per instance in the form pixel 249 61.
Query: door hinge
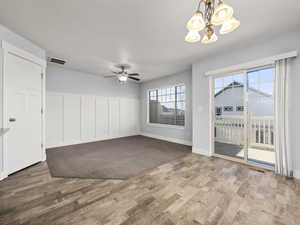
pixel 42 111
pixel 42 75
pixel 42 145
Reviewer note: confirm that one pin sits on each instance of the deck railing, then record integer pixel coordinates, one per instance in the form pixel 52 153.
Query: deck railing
pixel 230 130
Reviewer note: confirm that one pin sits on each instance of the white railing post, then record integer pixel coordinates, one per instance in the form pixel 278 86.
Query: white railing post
pixel 229 129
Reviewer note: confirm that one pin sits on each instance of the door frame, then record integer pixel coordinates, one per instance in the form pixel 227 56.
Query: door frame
pixel 212 115
pixel 5 49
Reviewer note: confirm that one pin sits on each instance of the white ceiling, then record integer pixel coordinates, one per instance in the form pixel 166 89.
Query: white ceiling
pixel 93 35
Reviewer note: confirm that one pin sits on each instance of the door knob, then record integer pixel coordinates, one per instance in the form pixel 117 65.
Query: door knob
pixel 12 119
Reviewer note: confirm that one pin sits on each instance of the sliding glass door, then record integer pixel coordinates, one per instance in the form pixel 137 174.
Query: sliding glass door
pixel 243 116
pixel 260 113
pixel 229 116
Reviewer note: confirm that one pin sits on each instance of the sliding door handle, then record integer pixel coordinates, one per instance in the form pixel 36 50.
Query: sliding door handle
pixel 12 119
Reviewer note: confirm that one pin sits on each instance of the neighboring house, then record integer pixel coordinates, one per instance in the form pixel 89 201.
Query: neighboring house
pixel 230 101
pixel 162 114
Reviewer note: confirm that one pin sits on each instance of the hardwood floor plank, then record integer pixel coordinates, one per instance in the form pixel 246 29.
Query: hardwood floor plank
pixel 194 190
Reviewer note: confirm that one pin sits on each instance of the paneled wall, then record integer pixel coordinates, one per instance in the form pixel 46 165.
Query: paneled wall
pixel 73 119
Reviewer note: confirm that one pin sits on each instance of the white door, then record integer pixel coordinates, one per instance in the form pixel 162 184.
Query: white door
pixel 23 86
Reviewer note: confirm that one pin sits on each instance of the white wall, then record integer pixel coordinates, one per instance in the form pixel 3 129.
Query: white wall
pixel 64 80
pixel 73 119
pixel 20 42
pixel 241 54
pixel 81 107
pixel 173 134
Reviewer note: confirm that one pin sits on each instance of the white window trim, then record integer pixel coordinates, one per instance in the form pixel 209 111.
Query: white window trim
pixel 160 125
pixel 252 64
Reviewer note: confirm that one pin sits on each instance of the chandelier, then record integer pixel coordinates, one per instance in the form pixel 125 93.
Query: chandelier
pixel 214 14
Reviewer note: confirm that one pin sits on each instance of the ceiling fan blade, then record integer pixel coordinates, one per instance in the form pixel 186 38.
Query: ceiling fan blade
pixel 108 76
pixel 133 74
pixel 134 78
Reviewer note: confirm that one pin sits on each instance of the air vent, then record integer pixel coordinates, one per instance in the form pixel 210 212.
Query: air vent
pixel 58 61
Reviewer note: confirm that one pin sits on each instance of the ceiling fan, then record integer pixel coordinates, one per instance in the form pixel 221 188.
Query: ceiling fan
pixel 123 74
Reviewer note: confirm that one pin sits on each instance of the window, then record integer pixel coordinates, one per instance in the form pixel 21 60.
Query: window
pixel 218 111
pixel 228 108
pixel 240 108
pixel 167 106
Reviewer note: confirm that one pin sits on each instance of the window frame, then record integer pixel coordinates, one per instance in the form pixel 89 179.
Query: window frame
pixel 219 108
pixel 160 124
pixel 221 74
pixel 227 107
pixel 238 107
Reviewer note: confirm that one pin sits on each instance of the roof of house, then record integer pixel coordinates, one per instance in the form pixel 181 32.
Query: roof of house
pixel 236 84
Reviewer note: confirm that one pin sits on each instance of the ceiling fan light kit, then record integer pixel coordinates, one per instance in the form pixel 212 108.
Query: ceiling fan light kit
pixel 212 15
pixel 122 78
pixel 123 75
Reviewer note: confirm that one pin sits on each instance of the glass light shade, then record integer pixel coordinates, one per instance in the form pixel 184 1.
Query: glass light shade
pixel 196 23
pixel 229 26
pixel 212 39
pixel 222 13
pixel 123 78
pixel 192 37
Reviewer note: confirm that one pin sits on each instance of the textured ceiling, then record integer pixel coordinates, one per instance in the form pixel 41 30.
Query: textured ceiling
pixel 94 35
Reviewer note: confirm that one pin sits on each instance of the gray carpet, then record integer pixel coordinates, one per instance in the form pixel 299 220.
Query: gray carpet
pixel 112 159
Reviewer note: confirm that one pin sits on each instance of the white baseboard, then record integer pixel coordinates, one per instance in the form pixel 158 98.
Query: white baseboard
pixel 175 140
pixel 44 157
pixel 3 175
pixel 297 174
pixel 201 151
pixel 76 142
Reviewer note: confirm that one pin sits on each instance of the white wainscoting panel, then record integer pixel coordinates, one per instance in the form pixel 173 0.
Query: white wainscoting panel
pixel 88 117
pixel 74 119
pixel 114 117
pixel 125 116
pixel 136 117
pixel 102 118
pixel 129 117
pixel 54 119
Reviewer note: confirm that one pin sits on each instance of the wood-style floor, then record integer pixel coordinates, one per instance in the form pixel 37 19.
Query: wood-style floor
pixel 190 191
